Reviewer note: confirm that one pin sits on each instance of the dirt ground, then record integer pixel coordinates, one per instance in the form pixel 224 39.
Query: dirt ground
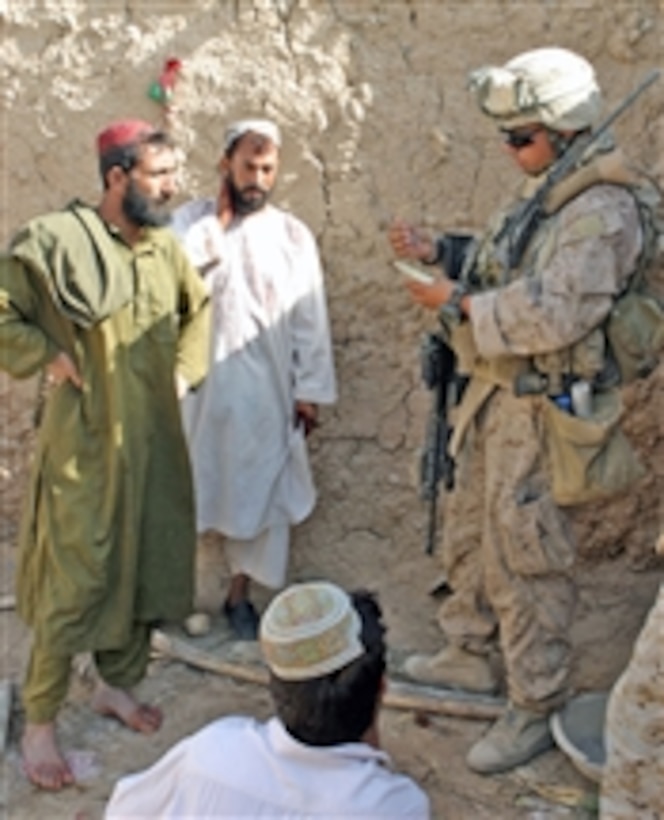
pixel 617 579
pixel 612 603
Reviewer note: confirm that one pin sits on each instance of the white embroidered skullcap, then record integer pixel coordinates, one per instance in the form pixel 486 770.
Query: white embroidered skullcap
pixel 266 128
pixel 309 630
pixel 553 86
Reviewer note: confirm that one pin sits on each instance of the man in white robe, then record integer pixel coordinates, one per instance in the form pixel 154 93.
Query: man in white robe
pixel 271 366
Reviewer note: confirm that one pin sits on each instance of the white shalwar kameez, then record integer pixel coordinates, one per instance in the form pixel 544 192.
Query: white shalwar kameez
pixel 271 347
pixel 239 768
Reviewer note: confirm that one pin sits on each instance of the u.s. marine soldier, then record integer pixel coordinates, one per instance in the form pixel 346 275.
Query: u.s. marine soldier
pixel 633 776
pixel 528 326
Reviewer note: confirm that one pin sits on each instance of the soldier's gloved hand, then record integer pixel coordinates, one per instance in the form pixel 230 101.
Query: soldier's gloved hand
pixel 409 242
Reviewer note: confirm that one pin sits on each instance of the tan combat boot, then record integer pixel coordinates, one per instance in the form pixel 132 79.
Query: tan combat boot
pixel 514 739
pixel 453 668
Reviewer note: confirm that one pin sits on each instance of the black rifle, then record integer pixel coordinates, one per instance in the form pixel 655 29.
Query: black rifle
pixel 438 373
pixel 519 228
pixel 451 252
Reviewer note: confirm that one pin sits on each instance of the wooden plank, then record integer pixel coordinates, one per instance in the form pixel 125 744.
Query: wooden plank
pixel 399 695
pixel 450 702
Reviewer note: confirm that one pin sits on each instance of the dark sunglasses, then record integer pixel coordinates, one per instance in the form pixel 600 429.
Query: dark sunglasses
pixel 520 138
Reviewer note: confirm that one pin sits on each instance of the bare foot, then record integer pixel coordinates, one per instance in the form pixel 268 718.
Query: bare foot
pixel 121 704
pixel 43 763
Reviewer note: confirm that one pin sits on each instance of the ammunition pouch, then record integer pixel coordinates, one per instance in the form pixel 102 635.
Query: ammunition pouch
pixel 635 332
pixel 589 458
pixel 502 370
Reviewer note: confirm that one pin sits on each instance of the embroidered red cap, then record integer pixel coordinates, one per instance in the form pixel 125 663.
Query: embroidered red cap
pixel 122 132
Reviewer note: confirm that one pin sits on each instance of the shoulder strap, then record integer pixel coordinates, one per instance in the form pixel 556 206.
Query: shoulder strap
pixel 603 168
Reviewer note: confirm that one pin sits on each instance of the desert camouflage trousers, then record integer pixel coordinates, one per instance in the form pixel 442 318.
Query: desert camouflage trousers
pixel 508 553
pixel 633 782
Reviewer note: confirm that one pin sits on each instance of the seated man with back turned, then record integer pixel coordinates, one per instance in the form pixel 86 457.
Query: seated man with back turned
pixel 320 756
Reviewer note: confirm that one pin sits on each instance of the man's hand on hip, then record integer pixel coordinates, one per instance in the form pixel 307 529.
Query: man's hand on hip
pixel 62 369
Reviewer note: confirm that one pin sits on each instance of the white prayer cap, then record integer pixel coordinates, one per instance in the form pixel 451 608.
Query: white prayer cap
pixel 310 630
pixel 266 128
pixel 553 86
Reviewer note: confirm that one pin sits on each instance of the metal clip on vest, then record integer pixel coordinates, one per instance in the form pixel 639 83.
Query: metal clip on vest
pixel 530 383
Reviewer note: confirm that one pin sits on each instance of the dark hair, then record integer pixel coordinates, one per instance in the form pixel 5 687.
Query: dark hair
pixel 128 156
pixel 339 707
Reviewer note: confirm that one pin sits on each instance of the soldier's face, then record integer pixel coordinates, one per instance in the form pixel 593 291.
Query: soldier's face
pixel 151 185
pixel 530 147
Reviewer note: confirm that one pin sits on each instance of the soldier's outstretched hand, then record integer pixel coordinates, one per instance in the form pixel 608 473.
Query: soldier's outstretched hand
pixel 409 242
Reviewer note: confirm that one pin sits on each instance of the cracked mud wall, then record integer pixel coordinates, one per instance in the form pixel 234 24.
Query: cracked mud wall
pixel 376 119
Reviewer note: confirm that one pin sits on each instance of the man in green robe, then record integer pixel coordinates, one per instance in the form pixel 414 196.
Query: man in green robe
pixel 106 304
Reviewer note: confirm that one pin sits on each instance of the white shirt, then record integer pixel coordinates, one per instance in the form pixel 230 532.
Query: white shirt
pixel 240 768
pixel 270 347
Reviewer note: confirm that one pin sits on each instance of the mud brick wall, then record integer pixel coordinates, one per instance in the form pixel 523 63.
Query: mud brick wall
pixel 377 121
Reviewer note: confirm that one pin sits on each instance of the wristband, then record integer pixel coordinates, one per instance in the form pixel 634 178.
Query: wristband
pixel 451 310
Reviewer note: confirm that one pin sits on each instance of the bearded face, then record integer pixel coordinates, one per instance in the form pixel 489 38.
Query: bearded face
pixel 246 200
pixel 250 173
pixel 144 210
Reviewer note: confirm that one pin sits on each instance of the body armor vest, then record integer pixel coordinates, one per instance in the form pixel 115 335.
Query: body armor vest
pixel 591 358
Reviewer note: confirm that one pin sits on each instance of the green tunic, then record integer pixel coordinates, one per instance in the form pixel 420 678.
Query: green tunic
pixel 108 533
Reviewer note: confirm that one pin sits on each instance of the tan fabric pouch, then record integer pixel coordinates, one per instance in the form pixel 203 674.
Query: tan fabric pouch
pixel 636 334
pixel 590 458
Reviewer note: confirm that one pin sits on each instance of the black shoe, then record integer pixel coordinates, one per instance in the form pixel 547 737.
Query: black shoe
pixel 243 620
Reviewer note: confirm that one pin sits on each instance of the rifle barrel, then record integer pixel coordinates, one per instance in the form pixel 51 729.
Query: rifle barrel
pixel 521 225
pixel 432 524
pixel 647 81
pixel 571 157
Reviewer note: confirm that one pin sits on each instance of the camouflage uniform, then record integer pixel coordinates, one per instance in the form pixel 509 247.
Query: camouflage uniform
pixel 633 782
pixel 530 329
pixel 508 552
